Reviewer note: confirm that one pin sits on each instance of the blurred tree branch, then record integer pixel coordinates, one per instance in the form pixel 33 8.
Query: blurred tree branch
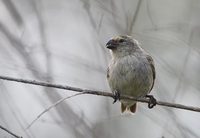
pixel 62 110
pixel 8 131
pixel 100 93
pixel 14 12
pixel 130 29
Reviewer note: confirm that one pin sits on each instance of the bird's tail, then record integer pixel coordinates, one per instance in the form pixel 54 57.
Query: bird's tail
pixel 131 108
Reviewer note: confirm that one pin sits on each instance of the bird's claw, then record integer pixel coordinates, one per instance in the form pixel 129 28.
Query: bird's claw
pixel 116 96
pixel 152 101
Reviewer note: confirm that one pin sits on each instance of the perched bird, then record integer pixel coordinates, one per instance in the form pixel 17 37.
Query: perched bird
pixel 131 71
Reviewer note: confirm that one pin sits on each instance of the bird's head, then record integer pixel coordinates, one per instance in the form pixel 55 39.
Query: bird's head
pixel 122 45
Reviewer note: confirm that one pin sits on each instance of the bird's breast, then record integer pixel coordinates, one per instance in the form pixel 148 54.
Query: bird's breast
pixel 130 75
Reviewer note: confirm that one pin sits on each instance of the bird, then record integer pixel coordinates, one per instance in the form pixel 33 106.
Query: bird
pixel 131 71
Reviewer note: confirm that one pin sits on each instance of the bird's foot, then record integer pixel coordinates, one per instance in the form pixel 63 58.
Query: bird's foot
pixel 116 96
pixel 152 101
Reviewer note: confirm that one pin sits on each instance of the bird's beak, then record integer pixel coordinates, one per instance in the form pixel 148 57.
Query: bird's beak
pixel 111 44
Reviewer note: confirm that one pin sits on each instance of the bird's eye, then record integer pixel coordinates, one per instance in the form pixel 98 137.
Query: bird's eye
pixel 121 40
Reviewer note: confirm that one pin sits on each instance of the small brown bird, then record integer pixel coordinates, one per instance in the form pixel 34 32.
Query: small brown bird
pixel 131 71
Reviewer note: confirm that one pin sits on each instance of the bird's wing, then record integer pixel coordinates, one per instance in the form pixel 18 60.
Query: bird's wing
pixel 151 62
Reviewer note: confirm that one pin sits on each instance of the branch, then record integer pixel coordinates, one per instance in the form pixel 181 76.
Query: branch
pixel 5 129
pixel 100 93
pixel 50 107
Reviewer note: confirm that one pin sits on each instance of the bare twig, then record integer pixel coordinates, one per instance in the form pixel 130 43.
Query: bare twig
pixel 5 129
pixel 51 106
pixel 100 93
